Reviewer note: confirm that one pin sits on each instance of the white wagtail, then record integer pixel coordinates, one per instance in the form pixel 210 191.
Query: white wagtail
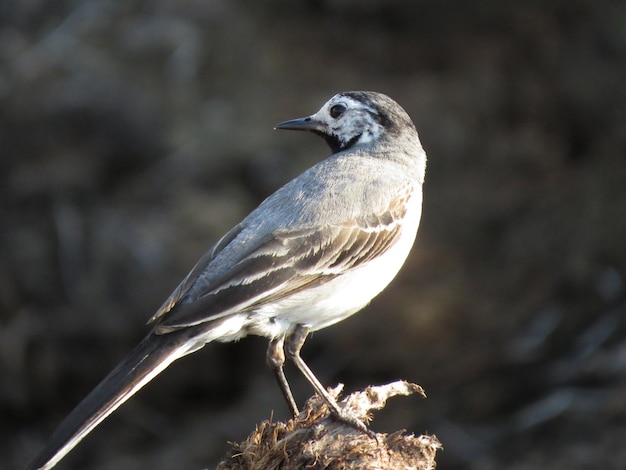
pixel 313 253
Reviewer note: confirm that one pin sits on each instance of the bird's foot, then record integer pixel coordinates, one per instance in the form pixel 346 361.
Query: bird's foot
pixel 342 416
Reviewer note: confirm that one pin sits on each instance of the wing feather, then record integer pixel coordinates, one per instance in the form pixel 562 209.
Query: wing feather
pixel 282 264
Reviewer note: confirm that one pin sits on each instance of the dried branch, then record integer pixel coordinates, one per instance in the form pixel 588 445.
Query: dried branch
pixel 314 440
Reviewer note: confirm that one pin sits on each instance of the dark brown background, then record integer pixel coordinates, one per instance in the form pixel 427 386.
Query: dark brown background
pixel 133 134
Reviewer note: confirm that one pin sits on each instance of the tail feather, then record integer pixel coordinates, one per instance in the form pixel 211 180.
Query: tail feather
pixel 145 362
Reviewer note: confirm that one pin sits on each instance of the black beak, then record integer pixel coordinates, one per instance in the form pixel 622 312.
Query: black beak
pixel 301 124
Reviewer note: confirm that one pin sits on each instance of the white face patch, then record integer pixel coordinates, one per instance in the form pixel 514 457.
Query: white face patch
pixel 371 134
pixel 356 125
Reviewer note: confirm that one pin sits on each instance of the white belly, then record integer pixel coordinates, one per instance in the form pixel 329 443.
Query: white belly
pixel 345 295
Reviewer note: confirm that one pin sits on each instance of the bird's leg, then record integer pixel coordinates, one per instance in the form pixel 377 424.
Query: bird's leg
pixel 293 344
pixel 275 360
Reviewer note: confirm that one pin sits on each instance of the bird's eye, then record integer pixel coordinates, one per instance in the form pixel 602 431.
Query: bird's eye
pixel 337 110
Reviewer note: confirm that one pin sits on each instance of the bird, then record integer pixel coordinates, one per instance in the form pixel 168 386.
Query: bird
pixel 313 253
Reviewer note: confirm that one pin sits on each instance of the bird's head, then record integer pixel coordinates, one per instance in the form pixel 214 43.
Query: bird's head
pixel 354 118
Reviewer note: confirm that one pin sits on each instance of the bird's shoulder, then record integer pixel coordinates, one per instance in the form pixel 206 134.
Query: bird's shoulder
pixel 336 190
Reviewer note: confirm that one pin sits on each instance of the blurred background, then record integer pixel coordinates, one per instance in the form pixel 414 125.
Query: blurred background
pixel 134 134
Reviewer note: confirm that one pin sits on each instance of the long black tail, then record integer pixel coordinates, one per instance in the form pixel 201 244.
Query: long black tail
pixel 145 362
